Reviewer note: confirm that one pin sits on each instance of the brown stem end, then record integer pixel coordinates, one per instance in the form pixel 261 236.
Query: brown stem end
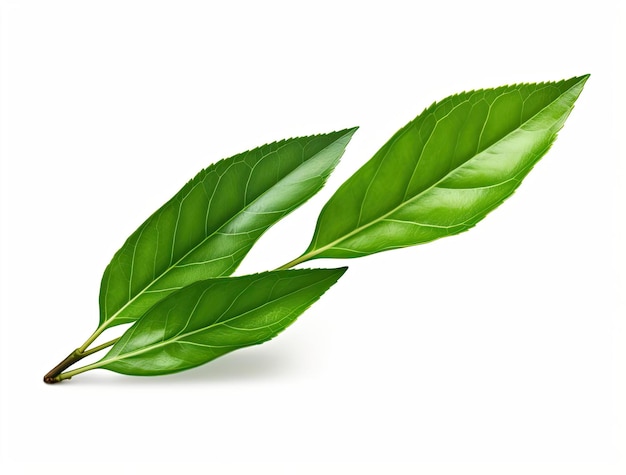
pixel 52 376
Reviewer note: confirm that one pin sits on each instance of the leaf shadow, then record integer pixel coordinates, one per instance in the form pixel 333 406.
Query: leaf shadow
pixel 236 367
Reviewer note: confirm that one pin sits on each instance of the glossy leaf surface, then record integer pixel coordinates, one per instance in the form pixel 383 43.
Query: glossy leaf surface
pixel 208 227
pixel 210 318
pixel 445 170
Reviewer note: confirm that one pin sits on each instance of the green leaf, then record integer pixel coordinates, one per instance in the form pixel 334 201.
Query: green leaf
pixel 213 317
pixel 208 227
pixel 444 171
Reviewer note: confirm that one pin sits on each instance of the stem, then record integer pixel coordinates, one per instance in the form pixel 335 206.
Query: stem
pixel 72 358
pixel 53 376
pixel 92 338
pixel 296 261
pixel 76 371
pixel 101 347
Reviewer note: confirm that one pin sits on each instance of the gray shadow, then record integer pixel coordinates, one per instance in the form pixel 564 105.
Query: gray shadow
pixel 242 366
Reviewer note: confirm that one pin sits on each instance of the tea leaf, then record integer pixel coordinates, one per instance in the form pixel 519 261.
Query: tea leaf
pixel 208 227
pixel 213 317
pixel 444 171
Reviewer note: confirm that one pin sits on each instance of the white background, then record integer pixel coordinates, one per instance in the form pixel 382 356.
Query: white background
pixel 497 351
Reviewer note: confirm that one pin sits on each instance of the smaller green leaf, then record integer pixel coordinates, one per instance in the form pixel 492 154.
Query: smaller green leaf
pixel 213 317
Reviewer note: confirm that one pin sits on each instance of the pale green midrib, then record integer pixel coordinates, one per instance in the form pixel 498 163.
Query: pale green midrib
pixel 311 254
pixel 463 225
pixel 109 320
pixel 175 339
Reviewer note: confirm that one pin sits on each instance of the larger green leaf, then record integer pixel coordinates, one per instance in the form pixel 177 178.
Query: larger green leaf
pixel 210 318
pixel 445 170
pixel 208 227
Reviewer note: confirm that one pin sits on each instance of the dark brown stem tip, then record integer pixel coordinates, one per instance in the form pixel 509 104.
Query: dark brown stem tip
pixel 52 376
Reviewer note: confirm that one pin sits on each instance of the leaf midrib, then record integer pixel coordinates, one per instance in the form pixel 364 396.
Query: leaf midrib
pixel 108 321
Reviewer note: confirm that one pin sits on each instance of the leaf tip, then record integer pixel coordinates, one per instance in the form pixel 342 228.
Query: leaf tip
pixel 350 132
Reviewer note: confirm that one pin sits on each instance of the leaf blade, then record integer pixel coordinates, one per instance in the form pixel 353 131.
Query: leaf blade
pixel 208 227
pixel 210 318
pixel 445 170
